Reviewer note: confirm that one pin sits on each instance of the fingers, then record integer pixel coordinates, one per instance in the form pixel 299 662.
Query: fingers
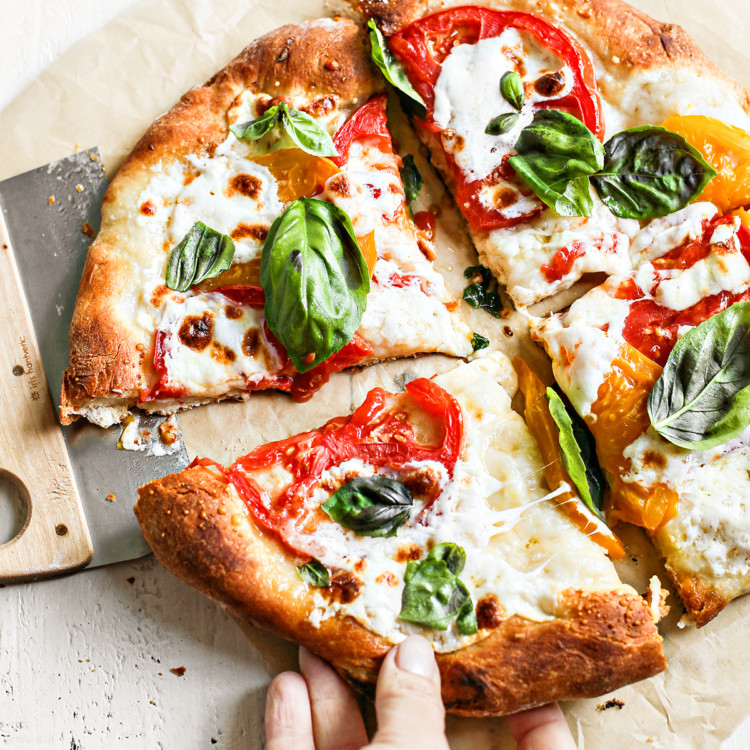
pixel 337 723
pixel 407 702
pixel 542 728
pixel 288 716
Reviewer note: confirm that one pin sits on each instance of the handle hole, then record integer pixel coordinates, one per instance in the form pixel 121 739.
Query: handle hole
pixel 14 506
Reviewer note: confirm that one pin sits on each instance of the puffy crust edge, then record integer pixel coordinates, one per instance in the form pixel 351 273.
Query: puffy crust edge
pixel 612 29
pixel 702 601
pixel 202 532
pixel 107 358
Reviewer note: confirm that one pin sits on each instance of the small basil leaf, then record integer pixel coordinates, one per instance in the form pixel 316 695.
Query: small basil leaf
pixel 479 342
pixel 314 573
pixel 255 129
pixel 511 87
pixel 370 506
pixel 650 171
pixel 433 595
pixel 502 124
pixel 315 279
pixel 556 155
pixel 392 69
pixel 201 254
pixel 453 556
pixel 483 293
pixel 411 178
pixel 306 132
pixel 702 398
pixel 578 456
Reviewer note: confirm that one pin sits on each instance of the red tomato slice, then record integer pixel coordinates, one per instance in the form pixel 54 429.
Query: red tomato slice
pixel 423 46
pixel 378 433
pixel 368 123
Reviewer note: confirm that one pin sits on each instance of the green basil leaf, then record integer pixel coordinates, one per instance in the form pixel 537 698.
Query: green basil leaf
pixel 483 293
pixel 314 573
pixel 650 171
pixel 306 132
pixel 392 70
pixel 511 88
pixel 556 155
pixel 255 129
pixel 479 342
pixel 370 506
pixel 578 454
pixel 411 178
pixel 315 279
pixel 502 124
pixel 702 398
pixel 201 254
pixel 433 594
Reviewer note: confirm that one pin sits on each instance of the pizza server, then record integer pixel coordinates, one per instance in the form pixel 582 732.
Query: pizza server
pixel 73 489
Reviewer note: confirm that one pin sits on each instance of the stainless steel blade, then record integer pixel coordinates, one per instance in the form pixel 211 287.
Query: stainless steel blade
pixel 48 211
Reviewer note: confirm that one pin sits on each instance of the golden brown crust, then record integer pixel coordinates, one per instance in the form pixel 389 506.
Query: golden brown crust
pixel 109 357
pixel 702 601
pixel 201 531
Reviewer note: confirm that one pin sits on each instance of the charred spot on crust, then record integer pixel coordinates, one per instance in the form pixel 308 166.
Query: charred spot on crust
pixel 505 197
pixel 473 682
pixel 244 184
pixel 320 106
pixel 550 84
pixel 654 459
pixel 232 312
pixel 255 231
pixel 423 482
pixel 196 331
pixel 223 354
pixel 251 342
pixel 345 587
pixel 489 612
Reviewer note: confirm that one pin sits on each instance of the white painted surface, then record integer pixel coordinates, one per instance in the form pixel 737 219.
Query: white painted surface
pixel 85 660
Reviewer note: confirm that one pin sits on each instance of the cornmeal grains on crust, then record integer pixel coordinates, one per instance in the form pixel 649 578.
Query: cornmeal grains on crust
pixel 109 357
pixel 202 532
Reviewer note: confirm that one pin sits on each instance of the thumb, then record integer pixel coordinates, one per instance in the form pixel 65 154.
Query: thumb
pixel 407 700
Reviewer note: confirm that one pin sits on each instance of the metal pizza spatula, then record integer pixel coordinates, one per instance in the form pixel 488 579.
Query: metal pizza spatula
pixel 75 489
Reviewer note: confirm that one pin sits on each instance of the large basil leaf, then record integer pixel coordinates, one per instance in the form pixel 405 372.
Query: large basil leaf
pixel 201 254
pixel 578 454
pixel 314 573
pixel 702 398
pixel 650 171
pixel 411 178
pixel 301 128
pixel 433 594
pixel 483 292
pixel 393 71
pixel 556 155
pixel 370 506
pixel 315 279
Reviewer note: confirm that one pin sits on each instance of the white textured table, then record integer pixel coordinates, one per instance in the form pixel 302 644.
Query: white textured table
pixel 85 661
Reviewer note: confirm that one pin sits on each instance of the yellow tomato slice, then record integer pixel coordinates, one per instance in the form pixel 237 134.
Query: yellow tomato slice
pixel 727 149
pixel 545 431
pixel 239 274
pixel 621 417
pixel 299 174
pixel 369 249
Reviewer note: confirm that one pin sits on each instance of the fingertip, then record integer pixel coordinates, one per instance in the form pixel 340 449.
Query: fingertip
pixel 416 656
pixel 288 716
pixel 543 727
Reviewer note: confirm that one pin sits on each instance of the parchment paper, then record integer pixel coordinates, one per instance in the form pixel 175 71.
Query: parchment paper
pixel 108 88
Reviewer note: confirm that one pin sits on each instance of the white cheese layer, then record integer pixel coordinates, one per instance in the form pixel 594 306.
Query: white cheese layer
pixel 521 549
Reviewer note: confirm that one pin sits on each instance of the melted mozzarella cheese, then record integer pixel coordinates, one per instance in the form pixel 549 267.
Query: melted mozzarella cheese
pixel 520 546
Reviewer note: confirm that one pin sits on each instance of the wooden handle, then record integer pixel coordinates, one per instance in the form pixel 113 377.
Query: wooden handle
pixel 55 538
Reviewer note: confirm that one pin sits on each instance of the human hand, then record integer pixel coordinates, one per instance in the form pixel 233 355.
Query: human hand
pixel 318 711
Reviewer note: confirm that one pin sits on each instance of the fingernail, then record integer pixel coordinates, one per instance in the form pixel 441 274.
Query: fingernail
pixel 415 655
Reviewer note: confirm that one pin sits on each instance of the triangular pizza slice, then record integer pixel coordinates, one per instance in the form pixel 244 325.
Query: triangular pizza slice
pixel 426 511
pixel 258 236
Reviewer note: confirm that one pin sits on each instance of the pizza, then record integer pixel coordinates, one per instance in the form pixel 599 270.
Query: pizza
pixel 488 74
pixel 175 307
pixel 423 511
pixel 609 351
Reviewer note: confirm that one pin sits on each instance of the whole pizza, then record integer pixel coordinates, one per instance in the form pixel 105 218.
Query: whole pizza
pixel 269 231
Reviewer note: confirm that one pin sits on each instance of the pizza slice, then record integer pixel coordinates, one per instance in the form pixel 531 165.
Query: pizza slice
pixel 426 511
pixel 641 358
pixel 257 237
pixel 530 112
